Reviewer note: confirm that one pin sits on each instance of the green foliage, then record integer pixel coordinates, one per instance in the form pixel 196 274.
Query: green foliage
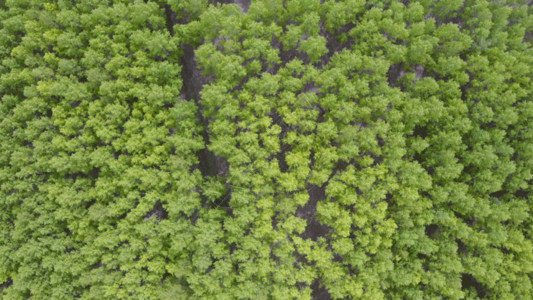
pixel 277 150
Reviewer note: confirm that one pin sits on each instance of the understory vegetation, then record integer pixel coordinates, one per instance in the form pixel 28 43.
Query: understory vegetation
pixel 266 149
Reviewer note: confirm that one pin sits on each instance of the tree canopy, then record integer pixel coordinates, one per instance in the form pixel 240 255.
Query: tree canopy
pixel 266 149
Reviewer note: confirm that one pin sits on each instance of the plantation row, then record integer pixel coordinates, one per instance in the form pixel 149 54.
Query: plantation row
pixel 272 149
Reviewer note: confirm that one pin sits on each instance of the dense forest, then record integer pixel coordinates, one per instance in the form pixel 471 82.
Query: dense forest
pixel 266 149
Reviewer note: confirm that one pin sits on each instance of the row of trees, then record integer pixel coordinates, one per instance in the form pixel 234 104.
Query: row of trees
pixel 273 149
